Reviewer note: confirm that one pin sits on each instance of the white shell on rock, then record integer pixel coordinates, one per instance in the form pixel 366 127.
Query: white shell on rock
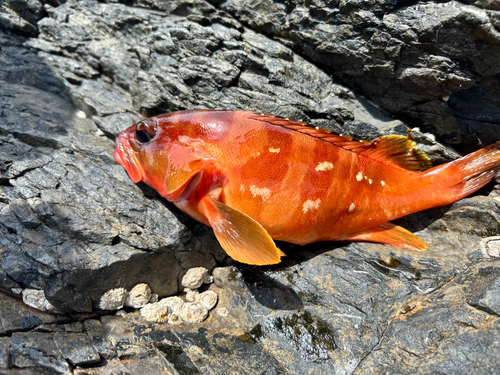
pixel 174 303
pixel 194 277
pixel 491 247
pixel 207 299
pixel 222 312
pixel 36 298
pixel 191 294
pixel 155 312
pixel 193 312
pixel 113 299
pixel 139 296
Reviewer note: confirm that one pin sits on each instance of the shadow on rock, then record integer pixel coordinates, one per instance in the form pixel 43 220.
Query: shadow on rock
pixel 269 292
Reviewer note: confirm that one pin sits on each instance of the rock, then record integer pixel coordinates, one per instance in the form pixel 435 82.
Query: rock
pixel 76 348
pixel 409 60
pixel 490 298
pixel 113 299
pixel 73 224
pixel 16 316
pixel 20 17
pixel 148 364
pixel 139 296
pixel 97 334
pixel 5 361
pixel 154 298
pixel 491 246
pixel 38 348
pixel 36 299
pixel 195 277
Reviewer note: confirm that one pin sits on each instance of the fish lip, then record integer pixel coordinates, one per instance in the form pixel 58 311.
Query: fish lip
pixel 127 158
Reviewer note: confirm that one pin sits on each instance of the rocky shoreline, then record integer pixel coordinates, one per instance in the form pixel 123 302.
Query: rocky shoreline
pixel 72 224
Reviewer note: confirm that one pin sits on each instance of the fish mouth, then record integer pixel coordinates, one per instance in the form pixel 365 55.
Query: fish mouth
pixel 127 158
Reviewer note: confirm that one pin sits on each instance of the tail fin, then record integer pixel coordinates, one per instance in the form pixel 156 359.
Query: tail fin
pixel 464 176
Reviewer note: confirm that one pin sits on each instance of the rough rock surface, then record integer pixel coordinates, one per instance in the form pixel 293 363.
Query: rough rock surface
pixel 73 74
pixel 434 63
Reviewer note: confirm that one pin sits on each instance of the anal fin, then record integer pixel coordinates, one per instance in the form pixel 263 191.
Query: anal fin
pixel 388 234
pixel 243 238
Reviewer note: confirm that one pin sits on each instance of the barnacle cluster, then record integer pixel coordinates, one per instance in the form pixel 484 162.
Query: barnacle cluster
pixel 193 307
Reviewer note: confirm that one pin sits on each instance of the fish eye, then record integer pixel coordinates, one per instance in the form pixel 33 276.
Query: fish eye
pixel 145 131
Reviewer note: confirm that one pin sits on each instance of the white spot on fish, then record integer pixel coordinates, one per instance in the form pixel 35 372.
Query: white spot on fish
pixel 242 188
pixel 275 150
pixel 382 183
pixel 265 193
pixel 310 205
pixel 359 176
pixel 352 207
pixel 370 181
pixel 324 166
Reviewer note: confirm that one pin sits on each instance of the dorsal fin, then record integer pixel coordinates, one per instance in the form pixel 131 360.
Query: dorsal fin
pixel 395 149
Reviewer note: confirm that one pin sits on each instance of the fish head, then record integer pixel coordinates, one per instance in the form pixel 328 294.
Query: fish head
pixel 141 148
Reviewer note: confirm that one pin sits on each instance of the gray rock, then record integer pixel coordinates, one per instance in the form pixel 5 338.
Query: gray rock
pixel 74 225
pixel 50 198
pixel 5 361
pixel 490 299
pixel 97 335
pixel 21 16
pixel 427 62
pixel 15 316
pixel 38 348
pixel 76 348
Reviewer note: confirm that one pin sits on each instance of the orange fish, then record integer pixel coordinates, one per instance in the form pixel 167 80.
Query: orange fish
pixel 254 177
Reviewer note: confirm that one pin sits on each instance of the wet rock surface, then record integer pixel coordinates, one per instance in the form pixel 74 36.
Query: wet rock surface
pixel 73 74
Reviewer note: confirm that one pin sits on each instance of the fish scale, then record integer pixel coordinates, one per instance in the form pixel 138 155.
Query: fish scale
pixel 254 177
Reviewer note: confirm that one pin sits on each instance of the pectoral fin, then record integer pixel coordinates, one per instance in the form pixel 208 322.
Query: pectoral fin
pixel 243 239
pixel 389 234
pixel 185 161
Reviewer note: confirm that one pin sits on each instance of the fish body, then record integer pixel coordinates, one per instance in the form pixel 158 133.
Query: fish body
pixel 254 177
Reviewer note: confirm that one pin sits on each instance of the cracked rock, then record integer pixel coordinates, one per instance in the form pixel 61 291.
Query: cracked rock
pixel 73 74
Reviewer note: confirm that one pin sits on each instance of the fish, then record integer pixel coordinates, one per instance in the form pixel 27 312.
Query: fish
pixel 256 178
